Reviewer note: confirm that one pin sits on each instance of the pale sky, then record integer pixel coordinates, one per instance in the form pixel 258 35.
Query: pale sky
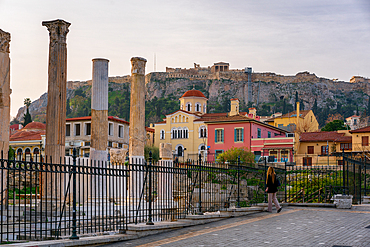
pixel 330 38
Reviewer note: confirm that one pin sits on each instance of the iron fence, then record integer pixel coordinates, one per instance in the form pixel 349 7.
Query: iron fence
pixel 43 200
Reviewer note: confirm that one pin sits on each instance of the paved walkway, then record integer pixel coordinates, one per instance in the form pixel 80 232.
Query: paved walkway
pixel 294 226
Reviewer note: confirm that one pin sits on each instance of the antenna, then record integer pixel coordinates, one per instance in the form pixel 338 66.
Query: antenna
pixel 155 63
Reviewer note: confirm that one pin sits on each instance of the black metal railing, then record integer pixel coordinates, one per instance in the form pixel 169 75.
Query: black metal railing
pixel 77 197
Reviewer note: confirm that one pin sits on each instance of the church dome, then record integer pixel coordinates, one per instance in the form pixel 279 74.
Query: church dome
pixel 193 93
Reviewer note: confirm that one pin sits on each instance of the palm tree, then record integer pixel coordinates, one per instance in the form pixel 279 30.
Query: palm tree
pixel 27 117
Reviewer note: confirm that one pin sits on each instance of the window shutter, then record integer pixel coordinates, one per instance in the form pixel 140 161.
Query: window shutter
pixel 234 135
pixel 222 135
pixel 242 135
pixel 215 135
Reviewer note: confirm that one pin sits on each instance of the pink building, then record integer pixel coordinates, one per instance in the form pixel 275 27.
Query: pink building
pixel 241 131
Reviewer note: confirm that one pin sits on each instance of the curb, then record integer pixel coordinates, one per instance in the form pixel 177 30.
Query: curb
pixel 141 230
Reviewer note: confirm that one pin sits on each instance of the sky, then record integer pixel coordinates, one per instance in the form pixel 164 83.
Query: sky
pixel 330 38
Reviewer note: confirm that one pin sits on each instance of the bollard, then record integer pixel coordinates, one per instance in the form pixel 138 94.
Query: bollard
pixel 150 222
pixel 74 217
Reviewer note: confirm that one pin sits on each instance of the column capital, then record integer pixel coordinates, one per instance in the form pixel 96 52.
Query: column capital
pixel 4 41
pixel 58 30
pixel 138 65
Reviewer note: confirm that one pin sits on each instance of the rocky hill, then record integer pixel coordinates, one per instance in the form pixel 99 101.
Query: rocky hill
pixel 270 92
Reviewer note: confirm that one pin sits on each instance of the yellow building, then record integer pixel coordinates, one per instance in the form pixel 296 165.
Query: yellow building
pixel 29 141
pixel 322 148
pixel 360 140
pixel 185 129
pixel 304 121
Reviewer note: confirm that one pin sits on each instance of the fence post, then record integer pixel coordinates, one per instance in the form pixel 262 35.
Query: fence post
pixel 150 222
pixel 238 198
pixel 265 180
pixel 285 184
pixel 200 185
pixel 74 217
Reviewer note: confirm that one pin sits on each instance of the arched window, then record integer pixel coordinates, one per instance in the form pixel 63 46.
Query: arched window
pixel 204 108
pixel 162 135
pixel 197 107
pixel 202 131
pixel 188 106
pixel 180 118
pixel 19 154
pixel 27 154
pixel 179 133
pixel 182 107
pixel 180 151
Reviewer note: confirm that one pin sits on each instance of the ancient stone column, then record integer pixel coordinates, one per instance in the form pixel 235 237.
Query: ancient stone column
pixel 57 88
pixel 5 92
pixel 99 125
pixel 137 124
pixel 56 108
pixel 165 178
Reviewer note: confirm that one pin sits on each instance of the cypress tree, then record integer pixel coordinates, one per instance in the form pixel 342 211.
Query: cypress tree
pixel 314 107
pixel 368 108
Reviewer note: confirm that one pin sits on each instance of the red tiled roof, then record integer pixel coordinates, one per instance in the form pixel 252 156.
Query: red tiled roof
pixel 361 130
pixel 149 129
pixel 228 118
pixel 27 135
pixel 193 93
pixel 324 136
pixel 235 99
pixel 35 125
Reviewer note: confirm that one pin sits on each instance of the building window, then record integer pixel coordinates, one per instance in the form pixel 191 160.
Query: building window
pixel 110 129
pixel 67 152
pixel 186 133
pixel 365 141
pixel 87 144
pixel 110 144
pixel 280 125
pixel 88 129
pixel 197 107
pixel 120 145
pixel 238 135
pixel 310 150
pixel 324 150
pixel 77 129
pixel 188 106
pixel 284 156
pixel 258 133
pixel 268 134
pixel 204 108
pixel 120 131
pixel 162 135
pixel 202 131
pixel 307 161
pixel 180 151
pixel 354 121
pixel 219 135
pixel 68 130
pixel 346 146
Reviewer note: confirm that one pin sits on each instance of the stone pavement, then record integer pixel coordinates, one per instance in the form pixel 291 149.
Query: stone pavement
pixel 294 226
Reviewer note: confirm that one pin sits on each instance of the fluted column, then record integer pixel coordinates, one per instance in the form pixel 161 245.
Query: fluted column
pixel 137 124
pixel 56 107
pixel 5 92
pixel 99 125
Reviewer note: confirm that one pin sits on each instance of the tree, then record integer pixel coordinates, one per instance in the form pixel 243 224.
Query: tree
pixel 335 125
pixel 333 117
pixel 155 153
pixel 27 117
pixel 231 155
pixel 314 107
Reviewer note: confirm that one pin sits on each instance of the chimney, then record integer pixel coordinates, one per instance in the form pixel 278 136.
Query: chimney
pixel 297 113
pixel 234 110
pixel 252 113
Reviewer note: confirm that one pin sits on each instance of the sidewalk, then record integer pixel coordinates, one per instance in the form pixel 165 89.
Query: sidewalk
pixel 294 226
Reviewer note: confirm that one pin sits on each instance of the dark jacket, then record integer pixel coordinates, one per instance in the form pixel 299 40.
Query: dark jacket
pixel 272 186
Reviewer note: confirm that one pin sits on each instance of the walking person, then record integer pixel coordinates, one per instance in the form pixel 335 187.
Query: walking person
pixel 272 183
